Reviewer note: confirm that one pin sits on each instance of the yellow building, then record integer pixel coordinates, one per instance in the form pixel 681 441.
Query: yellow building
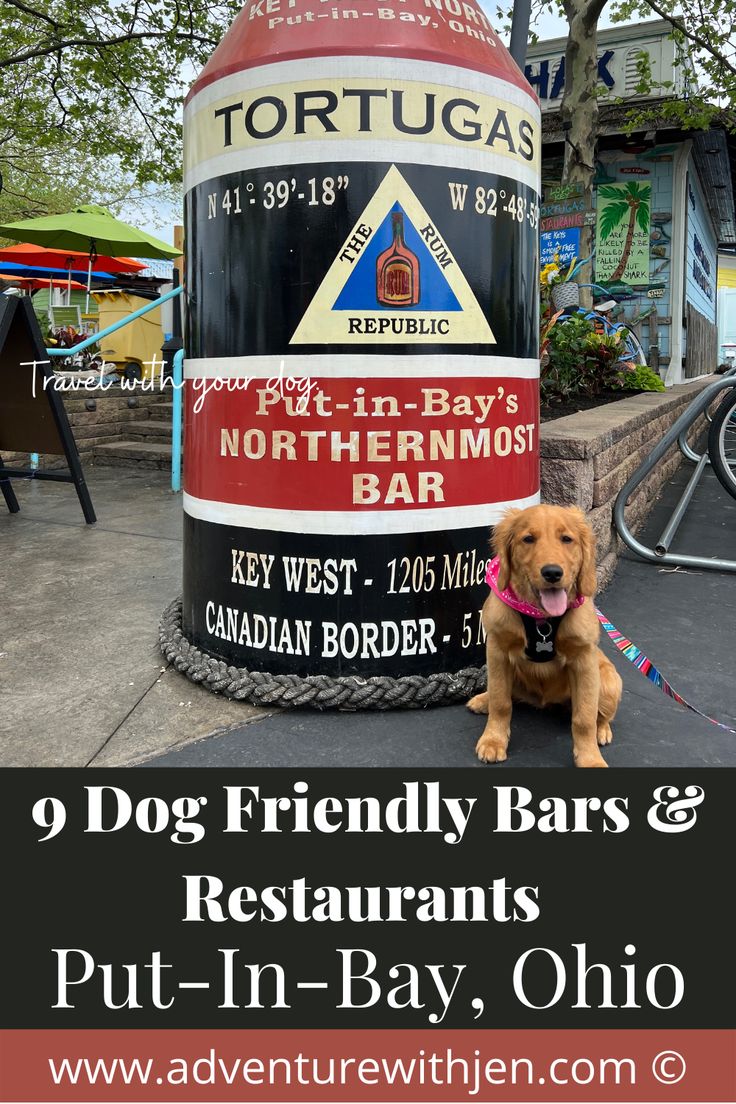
pixel 727 305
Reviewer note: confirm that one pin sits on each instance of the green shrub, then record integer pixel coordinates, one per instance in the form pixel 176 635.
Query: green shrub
pixel 642 378
pixel 577 361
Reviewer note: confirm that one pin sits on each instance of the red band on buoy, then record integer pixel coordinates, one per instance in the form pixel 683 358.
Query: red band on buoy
pixel 450 32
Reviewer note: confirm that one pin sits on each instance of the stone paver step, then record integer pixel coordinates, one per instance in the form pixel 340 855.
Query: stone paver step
pixel 148 431
pixel 161 412
pixel 133 454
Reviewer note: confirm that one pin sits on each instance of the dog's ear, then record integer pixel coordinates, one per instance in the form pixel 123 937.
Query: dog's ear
pixel 503 537
pixel 587 581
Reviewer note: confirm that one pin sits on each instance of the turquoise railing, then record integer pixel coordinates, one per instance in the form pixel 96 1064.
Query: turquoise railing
pixel 177 379
pixel 178 383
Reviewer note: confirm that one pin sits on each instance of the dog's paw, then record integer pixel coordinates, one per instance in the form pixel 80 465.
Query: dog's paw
pixel 605 735
pixel 490 750
pixel 590 759
pixel 478 704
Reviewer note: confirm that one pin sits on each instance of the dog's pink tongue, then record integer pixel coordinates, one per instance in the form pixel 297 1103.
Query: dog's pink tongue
pixel 554 601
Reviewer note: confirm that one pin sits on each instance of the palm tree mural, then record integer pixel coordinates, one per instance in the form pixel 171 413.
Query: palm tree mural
pixel 631 202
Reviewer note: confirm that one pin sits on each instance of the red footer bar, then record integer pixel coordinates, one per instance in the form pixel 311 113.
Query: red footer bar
pixel 380 1066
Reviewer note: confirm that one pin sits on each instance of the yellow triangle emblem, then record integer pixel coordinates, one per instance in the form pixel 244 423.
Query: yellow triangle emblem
pixel 394 281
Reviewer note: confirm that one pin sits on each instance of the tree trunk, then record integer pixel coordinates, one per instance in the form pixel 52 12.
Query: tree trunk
pixel 621 266
pixel 580 112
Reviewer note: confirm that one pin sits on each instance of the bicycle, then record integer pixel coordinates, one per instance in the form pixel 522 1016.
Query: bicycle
pixel 722 440
pixel 633 352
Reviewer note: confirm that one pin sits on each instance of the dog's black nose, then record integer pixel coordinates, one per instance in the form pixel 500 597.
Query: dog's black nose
pixel 551 573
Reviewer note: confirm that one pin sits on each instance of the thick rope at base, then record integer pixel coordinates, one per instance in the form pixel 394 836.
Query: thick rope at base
pixel 349 692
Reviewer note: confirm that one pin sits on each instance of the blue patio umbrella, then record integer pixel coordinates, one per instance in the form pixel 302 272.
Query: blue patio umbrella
pixel 9 269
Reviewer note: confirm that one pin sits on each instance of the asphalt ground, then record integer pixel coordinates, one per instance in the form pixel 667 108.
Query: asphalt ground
pixel 684 620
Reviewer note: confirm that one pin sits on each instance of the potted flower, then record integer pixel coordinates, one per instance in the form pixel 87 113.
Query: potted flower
pixel 559 285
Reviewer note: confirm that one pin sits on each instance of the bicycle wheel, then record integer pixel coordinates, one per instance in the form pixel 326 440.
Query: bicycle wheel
pixel 634 351
pixel 722 443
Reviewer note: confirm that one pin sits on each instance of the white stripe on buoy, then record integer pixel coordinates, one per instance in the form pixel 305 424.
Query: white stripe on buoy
pixel 360 366
pixel 351 523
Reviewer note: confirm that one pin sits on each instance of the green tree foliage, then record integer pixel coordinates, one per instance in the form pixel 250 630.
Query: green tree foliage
pixel 50 182
pixel 101 79
pixel 703 32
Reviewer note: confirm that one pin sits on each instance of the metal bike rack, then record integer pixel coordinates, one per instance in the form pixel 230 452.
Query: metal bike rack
pixel 677 433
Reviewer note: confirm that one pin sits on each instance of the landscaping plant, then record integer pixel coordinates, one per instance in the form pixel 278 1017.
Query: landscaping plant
pixel 642 378
pixel 577 362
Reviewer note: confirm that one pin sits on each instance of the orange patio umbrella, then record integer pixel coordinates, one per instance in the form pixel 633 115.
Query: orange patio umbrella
pixel 34 283
pixel 41 256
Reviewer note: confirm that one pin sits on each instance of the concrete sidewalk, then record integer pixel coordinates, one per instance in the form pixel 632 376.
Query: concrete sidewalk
pixel 82 681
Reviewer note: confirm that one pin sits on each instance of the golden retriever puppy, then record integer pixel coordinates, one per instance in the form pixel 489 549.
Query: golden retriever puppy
pixel 542 631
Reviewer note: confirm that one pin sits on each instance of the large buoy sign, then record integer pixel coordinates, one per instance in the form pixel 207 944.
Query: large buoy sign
pixel 362 206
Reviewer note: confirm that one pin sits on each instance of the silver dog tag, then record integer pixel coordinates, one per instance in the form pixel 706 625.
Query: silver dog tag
pixel 545 646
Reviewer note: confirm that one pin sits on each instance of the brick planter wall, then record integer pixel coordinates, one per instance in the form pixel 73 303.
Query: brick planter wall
pixel 107 423
pixel 587 458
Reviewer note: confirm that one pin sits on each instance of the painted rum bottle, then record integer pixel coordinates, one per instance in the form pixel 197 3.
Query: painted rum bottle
pixel 397 270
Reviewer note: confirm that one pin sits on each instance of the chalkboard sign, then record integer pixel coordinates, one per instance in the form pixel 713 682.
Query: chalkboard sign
pixel 32 414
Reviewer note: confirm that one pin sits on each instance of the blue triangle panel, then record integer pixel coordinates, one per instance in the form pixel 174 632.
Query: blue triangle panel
pixel 359 292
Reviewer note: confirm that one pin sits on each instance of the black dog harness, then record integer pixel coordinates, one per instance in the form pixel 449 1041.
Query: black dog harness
pixel 540 630
pixel 540 638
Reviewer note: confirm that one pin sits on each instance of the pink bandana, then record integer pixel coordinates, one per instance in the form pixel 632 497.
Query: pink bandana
pixel 508 597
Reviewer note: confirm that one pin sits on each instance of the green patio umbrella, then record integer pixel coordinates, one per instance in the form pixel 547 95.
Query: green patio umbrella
pixel 93 230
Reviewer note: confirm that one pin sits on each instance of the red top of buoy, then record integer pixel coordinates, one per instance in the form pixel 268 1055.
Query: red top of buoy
pixel 450 32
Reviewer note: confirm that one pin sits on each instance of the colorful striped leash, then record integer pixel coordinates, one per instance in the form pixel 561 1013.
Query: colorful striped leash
pixel 647 668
